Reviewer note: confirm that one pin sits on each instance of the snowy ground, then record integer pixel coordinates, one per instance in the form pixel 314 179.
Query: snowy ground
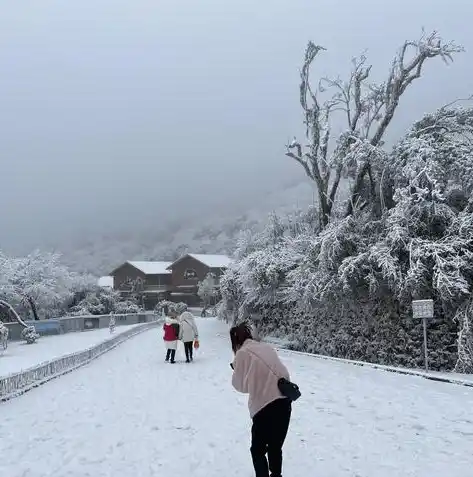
pixel 130 414
pixel 20 356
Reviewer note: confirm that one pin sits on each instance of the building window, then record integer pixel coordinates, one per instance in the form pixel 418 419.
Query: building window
pixel 190 274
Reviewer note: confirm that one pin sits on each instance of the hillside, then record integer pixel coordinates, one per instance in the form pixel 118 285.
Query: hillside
pixel 206 234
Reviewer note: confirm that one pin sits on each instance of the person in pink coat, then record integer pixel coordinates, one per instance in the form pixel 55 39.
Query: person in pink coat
pixel 256 372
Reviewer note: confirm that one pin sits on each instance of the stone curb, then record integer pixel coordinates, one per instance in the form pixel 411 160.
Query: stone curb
pixel 381 367
pixel 391 369
pixel 16 384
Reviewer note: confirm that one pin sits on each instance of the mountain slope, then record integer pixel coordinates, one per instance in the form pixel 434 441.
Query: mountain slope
pixel 206 234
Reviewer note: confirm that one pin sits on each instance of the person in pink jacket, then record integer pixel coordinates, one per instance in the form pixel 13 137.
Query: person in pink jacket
pixel 256 371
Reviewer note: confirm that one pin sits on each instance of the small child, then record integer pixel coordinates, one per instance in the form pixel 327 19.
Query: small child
pixel 171 335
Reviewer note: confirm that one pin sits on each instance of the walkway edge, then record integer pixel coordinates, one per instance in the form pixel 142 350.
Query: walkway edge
pixel 406 371
pixel 16 384
pixel 391 369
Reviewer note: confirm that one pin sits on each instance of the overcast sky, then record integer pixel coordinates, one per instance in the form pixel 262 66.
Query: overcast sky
pixel 118 112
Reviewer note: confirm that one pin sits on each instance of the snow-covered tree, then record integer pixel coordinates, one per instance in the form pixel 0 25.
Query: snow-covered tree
pixel 112 323
pixel 346 289
pixel 207 290
pixel 39 281
pixel 368 108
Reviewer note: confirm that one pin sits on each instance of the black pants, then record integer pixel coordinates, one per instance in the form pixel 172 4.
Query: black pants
pixel 188 347
pixel 171 353
pixel 268 433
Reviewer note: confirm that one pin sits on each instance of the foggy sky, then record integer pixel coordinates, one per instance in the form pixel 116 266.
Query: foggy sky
pixel 115 113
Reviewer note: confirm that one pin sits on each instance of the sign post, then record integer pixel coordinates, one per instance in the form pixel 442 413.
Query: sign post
pixel 423 309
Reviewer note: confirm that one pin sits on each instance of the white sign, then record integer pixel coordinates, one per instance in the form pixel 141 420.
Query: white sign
pixel 423 309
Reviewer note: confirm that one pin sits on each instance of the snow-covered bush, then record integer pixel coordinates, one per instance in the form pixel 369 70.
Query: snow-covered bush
pixel 29 334
pixel 90 305
pixel 167 306
pixel 102 301
pixel 126 307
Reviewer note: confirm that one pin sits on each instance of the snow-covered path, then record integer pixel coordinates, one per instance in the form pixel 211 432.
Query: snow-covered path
pixel 128 414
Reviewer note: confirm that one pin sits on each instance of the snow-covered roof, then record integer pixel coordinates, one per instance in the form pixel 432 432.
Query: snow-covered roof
pixel 105 282
pixel 152 268
pixel 211 261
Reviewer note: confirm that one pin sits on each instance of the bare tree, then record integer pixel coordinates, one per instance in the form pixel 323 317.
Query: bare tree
pixel 368 109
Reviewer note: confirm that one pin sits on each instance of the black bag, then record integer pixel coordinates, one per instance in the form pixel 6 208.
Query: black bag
pixel 288 389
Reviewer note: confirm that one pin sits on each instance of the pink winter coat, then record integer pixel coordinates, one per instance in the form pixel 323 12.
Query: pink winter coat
pixel 256 371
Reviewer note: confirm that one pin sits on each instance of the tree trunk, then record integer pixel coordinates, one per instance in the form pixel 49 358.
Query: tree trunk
pixel 357 189
pixel 324 207
pixel 33 308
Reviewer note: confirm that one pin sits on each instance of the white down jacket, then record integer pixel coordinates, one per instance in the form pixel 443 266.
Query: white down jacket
pixel 188 330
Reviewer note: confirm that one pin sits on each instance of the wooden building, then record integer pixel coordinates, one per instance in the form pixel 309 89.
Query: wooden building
pixel 176 281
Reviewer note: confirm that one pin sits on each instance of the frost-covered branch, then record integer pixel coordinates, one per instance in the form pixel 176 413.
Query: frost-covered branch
pixel 368 108
pixel 407 67
pixel 6 306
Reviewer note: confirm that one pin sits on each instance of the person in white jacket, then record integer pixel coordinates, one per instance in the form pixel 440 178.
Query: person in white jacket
pixel 188 333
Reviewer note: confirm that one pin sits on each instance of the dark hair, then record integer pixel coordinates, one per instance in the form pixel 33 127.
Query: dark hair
pixel 239 334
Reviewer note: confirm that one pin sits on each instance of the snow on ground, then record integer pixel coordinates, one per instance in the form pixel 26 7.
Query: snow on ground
pixel 20 356
pixel 130 414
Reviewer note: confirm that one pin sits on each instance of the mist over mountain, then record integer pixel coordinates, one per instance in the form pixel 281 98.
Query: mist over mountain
pixel 130 129
pixel 208 233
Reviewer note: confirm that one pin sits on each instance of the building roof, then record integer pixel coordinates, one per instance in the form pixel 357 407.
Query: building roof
pixel 105 282
pixel 151 268
pixel 211 261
